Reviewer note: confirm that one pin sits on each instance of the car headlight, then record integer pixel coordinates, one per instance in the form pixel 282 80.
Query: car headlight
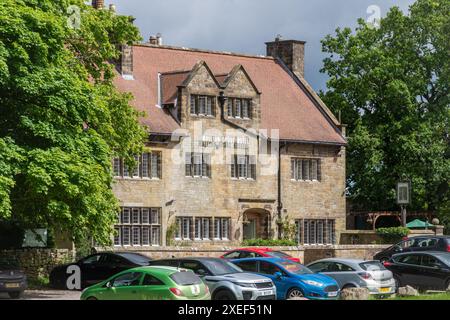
pixel 313 283
pixel 245 284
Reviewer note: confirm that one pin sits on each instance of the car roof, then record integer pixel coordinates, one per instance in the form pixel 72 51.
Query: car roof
pixel 190 258
pixel 159 269
pixel 274 260
pixel 429 236
pixel 255 249
pixel 342 260
pixel 433 253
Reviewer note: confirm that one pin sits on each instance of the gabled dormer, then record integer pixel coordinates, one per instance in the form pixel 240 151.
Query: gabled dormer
pixel 243 98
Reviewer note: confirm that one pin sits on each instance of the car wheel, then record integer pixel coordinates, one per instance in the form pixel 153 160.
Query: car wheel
pixel 295 293
pixel 224 295
pixel 15 295
pixel 348 286
pixel 92 298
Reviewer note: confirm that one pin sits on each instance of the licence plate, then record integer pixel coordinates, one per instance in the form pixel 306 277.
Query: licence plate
pixel 12 285
pixel 267 293
pixel 332 294
pixel 384 290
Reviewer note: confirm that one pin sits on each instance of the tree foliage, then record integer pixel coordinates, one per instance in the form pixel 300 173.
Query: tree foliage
pixel 62 120
pixel 391 86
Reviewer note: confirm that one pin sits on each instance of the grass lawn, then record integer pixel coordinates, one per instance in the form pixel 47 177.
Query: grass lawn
pixel 431 296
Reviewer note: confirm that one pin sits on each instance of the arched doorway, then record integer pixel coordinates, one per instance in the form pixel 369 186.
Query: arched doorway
pixel 256 224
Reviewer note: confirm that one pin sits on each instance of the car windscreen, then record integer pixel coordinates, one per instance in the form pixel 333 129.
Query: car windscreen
pixel 9 264
pixel 294 267
pixel 278 254
pixel 220 267
pixel 135 258
pixel 185 278
pixel 372 266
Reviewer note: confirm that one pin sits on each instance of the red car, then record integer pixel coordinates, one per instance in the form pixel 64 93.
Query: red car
pixel 242 253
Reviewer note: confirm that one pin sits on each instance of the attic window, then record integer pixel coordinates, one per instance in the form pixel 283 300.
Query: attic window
pixel 239 108
pixel 202 105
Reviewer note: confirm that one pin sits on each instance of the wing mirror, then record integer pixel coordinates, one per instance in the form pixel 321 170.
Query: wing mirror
pixel 278 275
pixel 109 284
pixel 397 248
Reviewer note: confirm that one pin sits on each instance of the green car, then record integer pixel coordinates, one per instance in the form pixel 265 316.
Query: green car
pixel 150 283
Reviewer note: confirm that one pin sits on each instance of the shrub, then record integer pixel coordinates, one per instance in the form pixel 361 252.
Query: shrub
pixel 393 234
pixel 269 242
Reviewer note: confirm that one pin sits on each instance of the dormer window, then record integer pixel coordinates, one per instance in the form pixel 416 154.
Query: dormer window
pixel 202 105
pixel 239 108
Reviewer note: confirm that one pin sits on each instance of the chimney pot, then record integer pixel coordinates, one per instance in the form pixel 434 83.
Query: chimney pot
pixel 153 40
pixel 159 39
pixel 98 4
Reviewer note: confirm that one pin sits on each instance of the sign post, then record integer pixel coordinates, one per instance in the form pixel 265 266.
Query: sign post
pixel 403 198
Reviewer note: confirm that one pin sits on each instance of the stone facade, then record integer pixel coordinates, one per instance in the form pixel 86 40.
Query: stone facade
pixel 221 195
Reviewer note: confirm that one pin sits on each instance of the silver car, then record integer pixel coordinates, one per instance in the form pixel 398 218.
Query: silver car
pixel 353 273
pixel 225 280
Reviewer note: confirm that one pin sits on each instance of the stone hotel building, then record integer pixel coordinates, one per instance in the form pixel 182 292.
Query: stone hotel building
pixel 187 190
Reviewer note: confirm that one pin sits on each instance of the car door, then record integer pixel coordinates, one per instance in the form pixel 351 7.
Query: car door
pixel 342 273
pixel 283 283
pixel 112 264
pixel 123 287
pixel 433 274
pixel 89 268
pixel 408 269
pixel 153 288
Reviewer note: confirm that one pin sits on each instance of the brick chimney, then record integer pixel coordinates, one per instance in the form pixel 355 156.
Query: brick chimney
pixel 291 52
pixel 126 61
pixel 98 4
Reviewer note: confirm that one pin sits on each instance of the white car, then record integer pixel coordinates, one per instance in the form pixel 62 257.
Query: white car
pixel 353 273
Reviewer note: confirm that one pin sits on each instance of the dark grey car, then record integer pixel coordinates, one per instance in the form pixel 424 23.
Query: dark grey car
pixel 353 273
pixel 12 280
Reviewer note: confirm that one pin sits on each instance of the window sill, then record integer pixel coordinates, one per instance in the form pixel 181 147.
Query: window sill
pixel 308 181
pixel 136 179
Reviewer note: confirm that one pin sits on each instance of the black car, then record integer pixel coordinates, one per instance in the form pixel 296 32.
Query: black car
pixel 419 243
pixel 422 270
pixel 12 280
pixel 96 268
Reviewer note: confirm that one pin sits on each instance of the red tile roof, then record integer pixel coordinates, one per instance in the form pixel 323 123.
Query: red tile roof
pixel 169 85
pixel 286 105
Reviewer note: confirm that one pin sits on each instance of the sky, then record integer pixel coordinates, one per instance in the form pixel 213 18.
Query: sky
pixel 243 26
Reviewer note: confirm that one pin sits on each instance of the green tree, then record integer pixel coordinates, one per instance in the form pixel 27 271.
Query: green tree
pixel 391 86
pixel 62 120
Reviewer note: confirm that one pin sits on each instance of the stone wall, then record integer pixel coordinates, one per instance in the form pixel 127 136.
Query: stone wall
pixel 365 252
pixel 306 254
pixel 37 262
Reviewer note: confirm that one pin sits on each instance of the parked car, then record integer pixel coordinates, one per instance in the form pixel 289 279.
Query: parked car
pixel 243 253
pixel 423 270
pixel 291 278
pixel 150 283
pixel 97 267
pixel 419 243
pixel 225 280
pixel 353 273
pixel 12 280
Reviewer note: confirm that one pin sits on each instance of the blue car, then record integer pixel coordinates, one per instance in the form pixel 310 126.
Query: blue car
pixel 292 279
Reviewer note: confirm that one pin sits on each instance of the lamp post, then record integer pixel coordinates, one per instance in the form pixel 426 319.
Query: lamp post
pixel 403 197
